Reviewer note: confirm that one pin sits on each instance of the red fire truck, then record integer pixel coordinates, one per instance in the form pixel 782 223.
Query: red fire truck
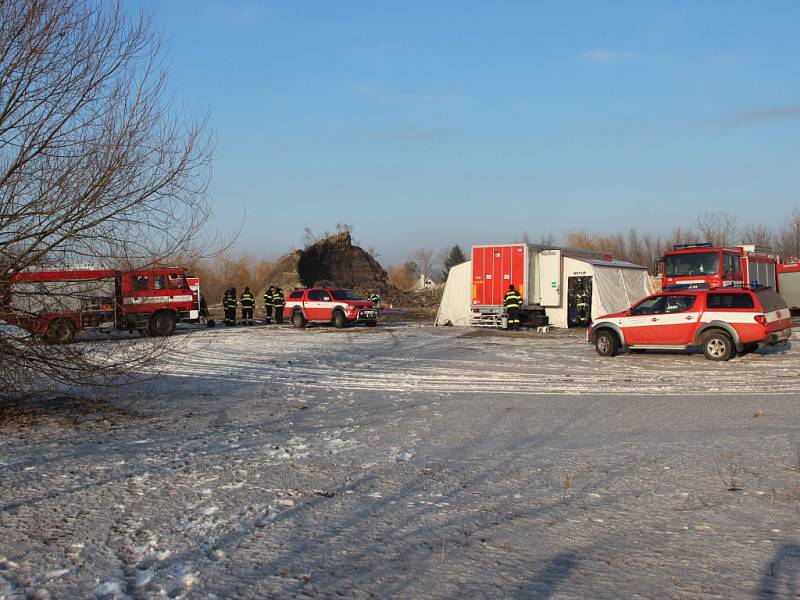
pixel 703 265
pixel 60 303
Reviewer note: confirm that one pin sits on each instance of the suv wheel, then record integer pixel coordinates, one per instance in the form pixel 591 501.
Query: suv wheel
pixel 298 320
pixel 717 345
pixel 606 343
pixel 339 320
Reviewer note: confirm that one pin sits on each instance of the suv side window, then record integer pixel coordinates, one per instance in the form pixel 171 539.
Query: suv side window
pixel 676 304
pixel 296 294
pixel 651 306
pixel 722 300
pixel 316 295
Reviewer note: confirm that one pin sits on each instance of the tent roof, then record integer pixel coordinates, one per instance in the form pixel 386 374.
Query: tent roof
pixel 599 262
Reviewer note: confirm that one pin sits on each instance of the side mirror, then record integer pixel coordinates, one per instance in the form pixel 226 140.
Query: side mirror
pixel 657 267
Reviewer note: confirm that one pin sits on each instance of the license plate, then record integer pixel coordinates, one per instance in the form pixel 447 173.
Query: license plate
pixel 368 314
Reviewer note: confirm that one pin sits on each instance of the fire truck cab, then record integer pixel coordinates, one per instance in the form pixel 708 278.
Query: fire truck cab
pixel 60 303
pixel 703 265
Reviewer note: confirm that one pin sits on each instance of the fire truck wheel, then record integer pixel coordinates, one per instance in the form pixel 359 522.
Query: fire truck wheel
pixel 298 320
pixel 60 331
pixel 339 320
pixel 717 345
pixel 162 323
pixel 606 343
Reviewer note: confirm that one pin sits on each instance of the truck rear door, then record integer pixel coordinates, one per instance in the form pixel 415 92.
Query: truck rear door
pixel 550 277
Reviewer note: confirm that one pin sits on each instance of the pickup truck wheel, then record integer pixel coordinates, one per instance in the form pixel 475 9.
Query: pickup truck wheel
pixel 717 345
pixel 298 320
pixel 339 320
pixel 162 324
pixel 60 331
pixel 606 344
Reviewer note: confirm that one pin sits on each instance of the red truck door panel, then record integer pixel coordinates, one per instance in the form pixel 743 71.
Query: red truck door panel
pixel 641 326
pixel 494 268
pixel 317 305
pixel 678 321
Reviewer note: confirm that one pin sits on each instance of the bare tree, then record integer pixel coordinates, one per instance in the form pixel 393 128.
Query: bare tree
pixel 423 258
pixel 757 234
pixel 788 239
pixel 547 239
pixel 93 164
pixel 717 227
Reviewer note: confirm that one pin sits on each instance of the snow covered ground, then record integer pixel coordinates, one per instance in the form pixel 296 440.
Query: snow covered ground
pixel 410 462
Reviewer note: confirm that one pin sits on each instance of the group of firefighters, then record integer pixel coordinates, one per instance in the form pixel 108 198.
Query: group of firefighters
pixel 274 301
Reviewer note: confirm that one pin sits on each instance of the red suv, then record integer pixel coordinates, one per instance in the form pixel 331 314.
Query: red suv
pixel 339 306
pixel 721 321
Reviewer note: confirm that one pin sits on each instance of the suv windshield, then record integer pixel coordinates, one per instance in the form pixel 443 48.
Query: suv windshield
pixel 345 295
pixel 700 263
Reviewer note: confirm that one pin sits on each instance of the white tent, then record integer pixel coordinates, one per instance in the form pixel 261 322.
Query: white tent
pixel 616 285
pixel 455 308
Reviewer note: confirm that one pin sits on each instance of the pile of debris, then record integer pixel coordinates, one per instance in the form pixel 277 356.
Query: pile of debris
pixel 335 261
pixel 424 298
pixel 331 261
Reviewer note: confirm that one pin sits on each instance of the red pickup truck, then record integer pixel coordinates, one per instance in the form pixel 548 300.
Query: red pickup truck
pixel 722 321
pixel 339 306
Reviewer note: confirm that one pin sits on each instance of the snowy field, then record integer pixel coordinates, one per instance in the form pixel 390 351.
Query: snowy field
pixel 410 462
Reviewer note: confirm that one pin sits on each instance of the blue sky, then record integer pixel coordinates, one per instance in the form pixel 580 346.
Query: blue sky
pixel 425 124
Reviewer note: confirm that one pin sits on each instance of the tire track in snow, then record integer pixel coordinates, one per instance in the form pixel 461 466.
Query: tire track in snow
pixel 411 363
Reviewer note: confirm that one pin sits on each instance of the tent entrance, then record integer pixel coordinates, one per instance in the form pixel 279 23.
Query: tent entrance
pixel 579 301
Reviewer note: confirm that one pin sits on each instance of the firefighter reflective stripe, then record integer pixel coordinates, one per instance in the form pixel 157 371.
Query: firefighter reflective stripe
pixel 512 299
pixel 268 298
pixel 248 301
pixel 278 299
pixel 230 302
pixel 374 298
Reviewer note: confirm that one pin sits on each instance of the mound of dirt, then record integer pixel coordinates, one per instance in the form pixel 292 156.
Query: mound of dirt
pixel 332 261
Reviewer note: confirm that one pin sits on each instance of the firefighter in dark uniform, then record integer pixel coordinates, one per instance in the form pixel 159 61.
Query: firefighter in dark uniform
pixel 512 301
pixel 278 302
pixel 374 298
pixel 226 307
pixel 248 303
pixel 268 304
pixel 230 308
